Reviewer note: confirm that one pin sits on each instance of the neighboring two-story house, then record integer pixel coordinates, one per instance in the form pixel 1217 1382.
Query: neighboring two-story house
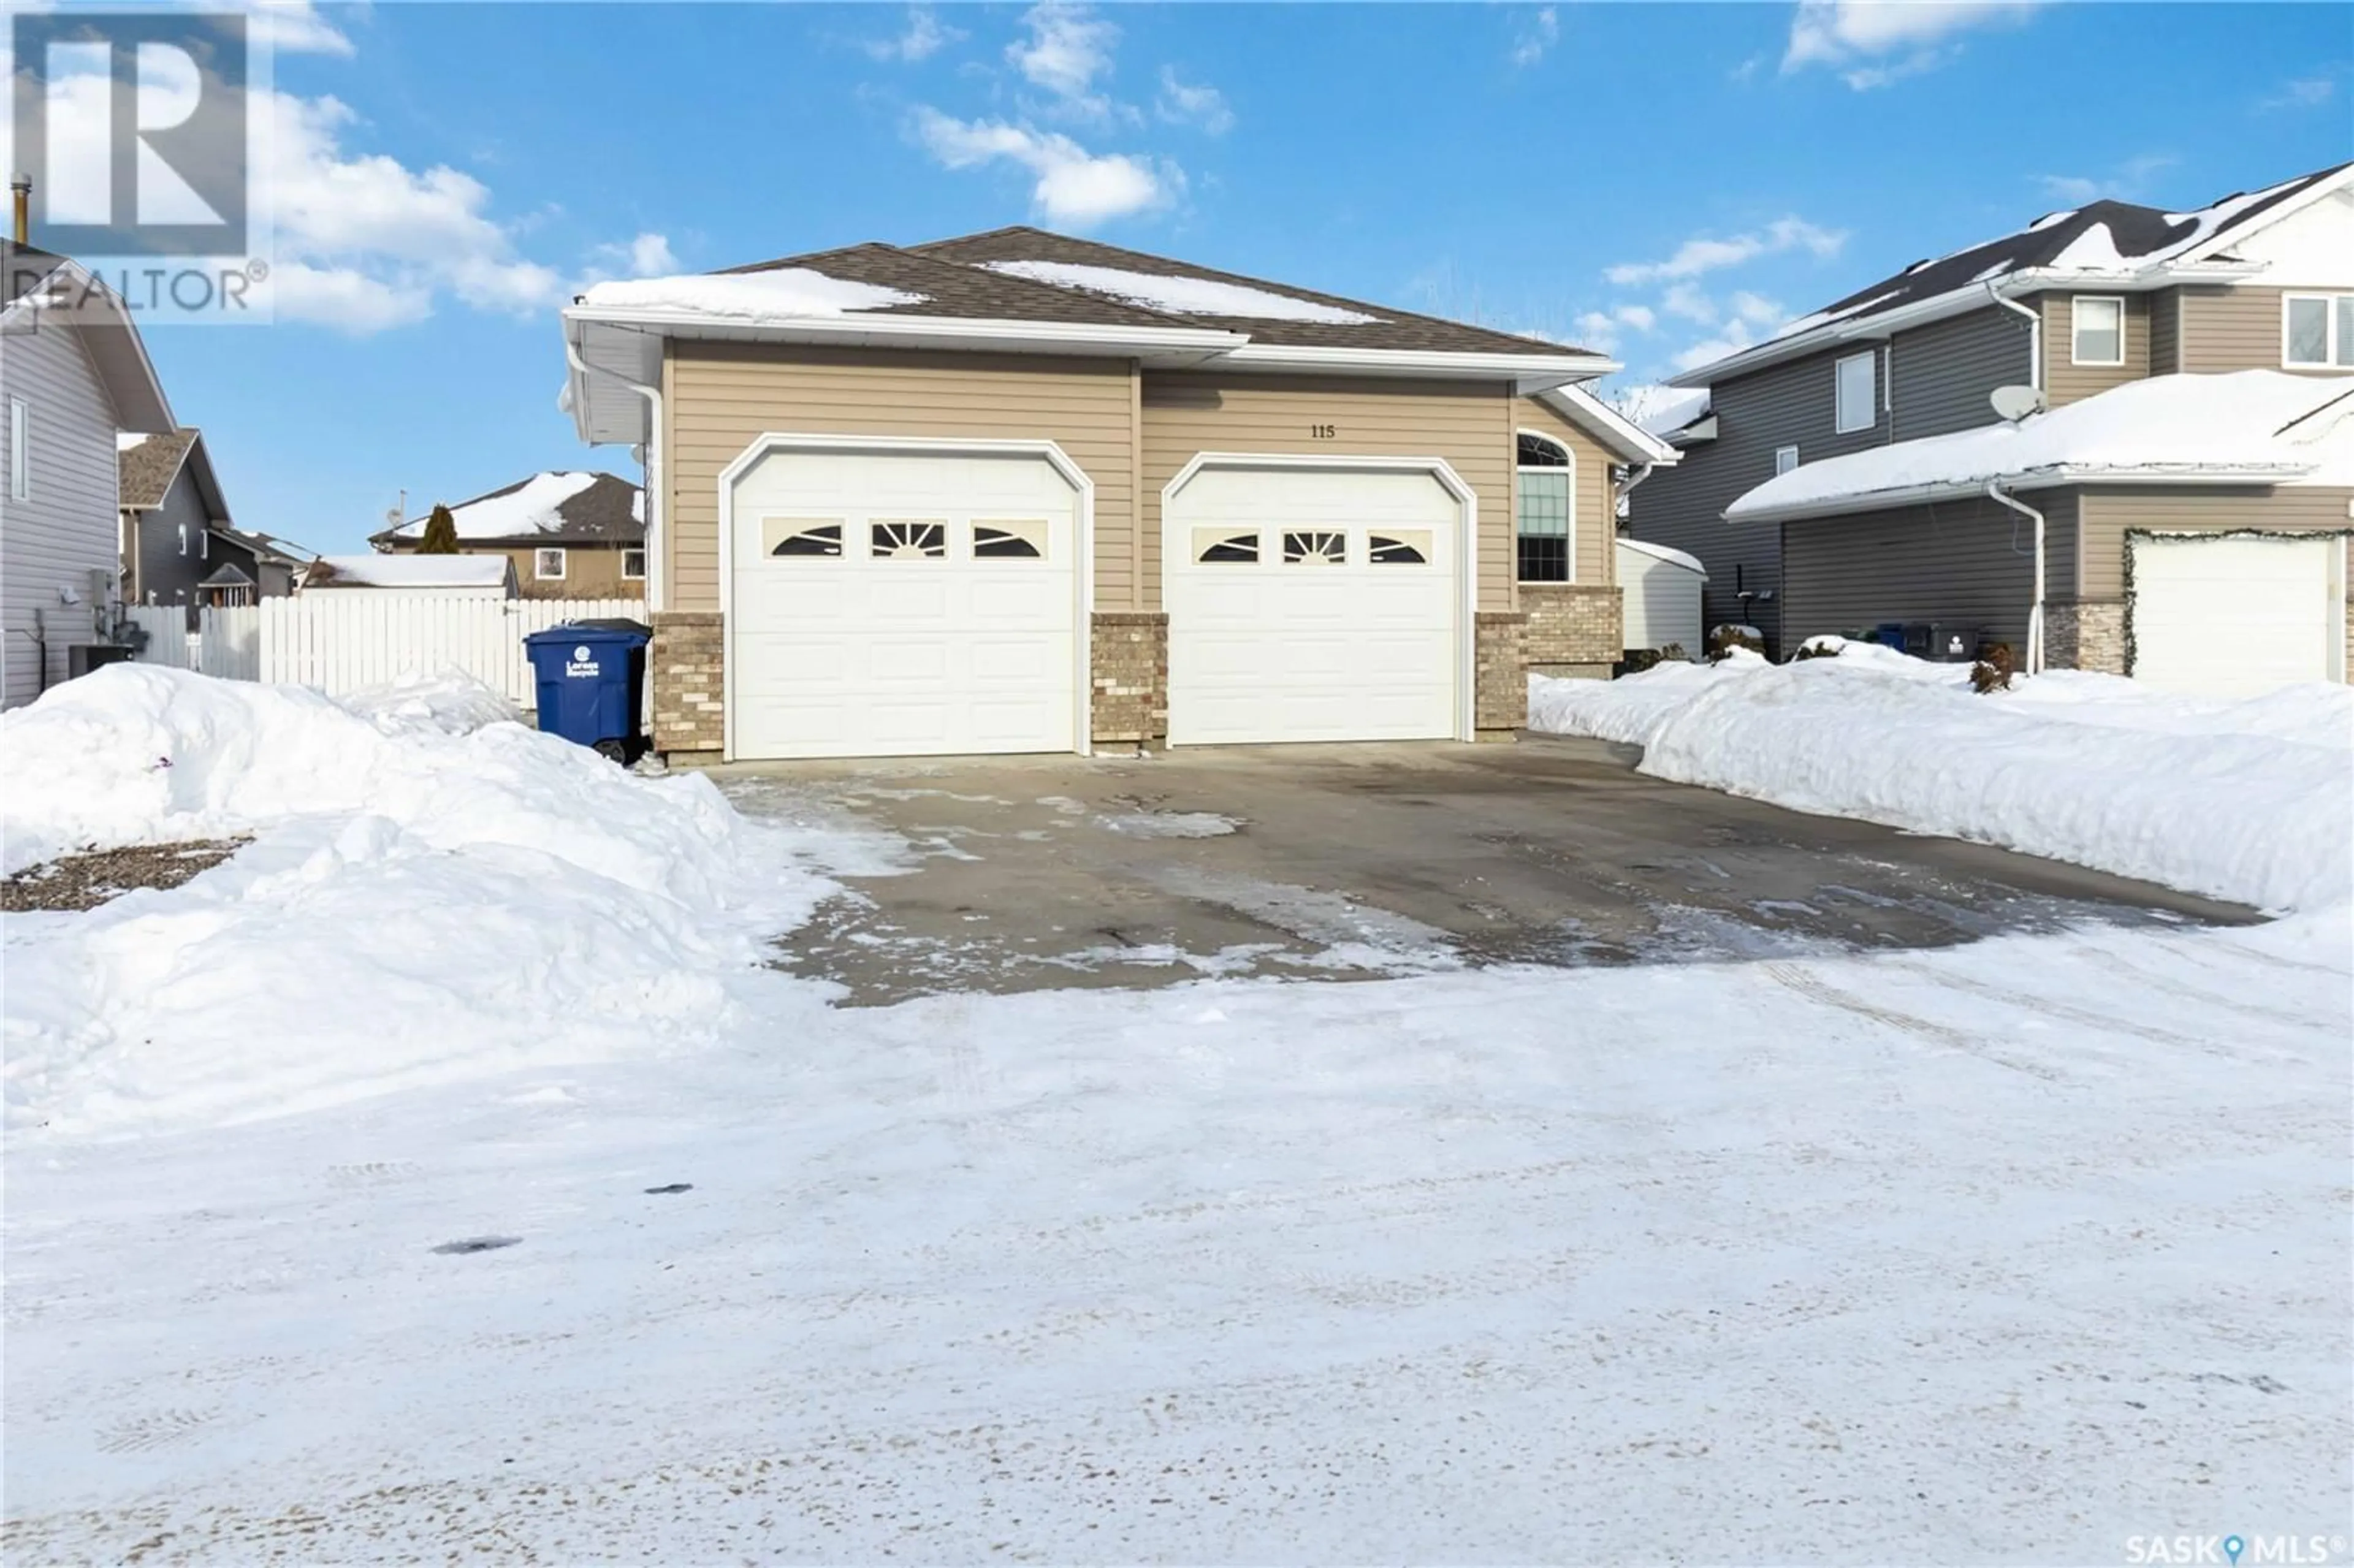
pixel 569 535
pixel 2179 401
pixel 1017 491
pixel 73 374
pixel 180 545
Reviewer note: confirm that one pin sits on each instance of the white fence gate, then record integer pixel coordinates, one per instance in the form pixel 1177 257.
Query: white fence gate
pixel 350 639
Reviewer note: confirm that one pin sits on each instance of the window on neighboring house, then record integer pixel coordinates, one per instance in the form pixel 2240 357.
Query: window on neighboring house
pixel 2096 329
pixel 548 564
pixel 2317 328
pixel 184 539
pixel 1784 459
pixel 1856 392
pixel 1543 512
pixel 634 566
pixel 20 451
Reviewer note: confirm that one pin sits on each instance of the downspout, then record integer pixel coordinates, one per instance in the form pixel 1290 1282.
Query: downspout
pixel 2034 336
pixel 2035 608
pixel 656 472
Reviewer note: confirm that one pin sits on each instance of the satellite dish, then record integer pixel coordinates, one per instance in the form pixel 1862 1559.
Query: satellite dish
pixel 2015 403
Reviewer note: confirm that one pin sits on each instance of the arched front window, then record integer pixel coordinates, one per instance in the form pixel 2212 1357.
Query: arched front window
pixel 1542 509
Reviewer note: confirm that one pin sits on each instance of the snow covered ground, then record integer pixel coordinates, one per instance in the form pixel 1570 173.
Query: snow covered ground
pixel 2251 801
pixel 2004 1253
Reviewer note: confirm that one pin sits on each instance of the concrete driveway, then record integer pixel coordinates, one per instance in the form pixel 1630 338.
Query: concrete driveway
pixel 1357 861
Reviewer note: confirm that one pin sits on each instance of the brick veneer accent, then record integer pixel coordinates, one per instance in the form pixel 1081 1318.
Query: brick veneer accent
pixel 2090 636
pixel 687 662
pixel 1575 628
pixel 1129 676
pixel 1500 680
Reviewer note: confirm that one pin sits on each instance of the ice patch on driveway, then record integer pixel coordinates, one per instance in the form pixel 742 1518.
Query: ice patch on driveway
pixel 1348 934
pixel 1170 824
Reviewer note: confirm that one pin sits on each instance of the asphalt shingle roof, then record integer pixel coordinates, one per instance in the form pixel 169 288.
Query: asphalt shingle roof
pixel 603 512
pixel 963 292
pixel 146 470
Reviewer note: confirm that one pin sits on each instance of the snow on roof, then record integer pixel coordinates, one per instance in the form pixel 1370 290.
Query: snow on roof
pixel 778 294
pixel 535 507
pixel 1661 552
pixel 2265 425
pixel 1181 296
pixel 1663 411
pixel 128 440
pixel 410 571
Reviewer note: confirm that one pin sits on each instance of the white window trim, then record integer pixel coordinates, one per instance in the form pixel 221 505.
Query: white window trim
pixel 2331 347
pixel 640 574
pixel 1778 470
pixel 539 555
pixel 1870 358
pixel 2076 334
pixel 184 541
pixel 20 449
pixel 1569 453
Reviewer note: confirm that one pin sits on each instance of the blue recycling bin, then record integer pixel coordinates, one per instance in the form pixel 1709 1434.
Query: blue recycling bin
pixel 590 676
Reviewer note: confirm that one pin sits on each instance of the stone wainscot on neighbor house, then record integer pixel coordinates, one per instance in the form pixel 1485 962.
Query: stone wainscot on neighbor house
pixel 2164 491
pixel 1017 491
pixel 569 535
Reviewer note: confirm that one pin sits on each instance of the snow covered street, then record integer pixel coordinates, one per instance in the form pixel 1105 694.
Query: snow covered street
pixel 2005 1252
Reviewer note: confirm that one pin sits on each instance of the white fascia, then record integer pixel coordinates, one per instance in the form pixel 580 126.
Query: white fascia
pixel 1608 425
pixel 879 331
pixel 1529 372
pixel 2230 234
pixel 2041 479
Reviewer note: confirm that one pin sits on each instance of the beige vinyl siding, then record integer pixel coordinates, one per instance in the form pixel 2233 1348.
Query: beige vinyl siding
pixel 1468 424
pixel 2165 332
pixel 2068 382
pixel 1968 563
pixel 69 526
pixel 1594 520
pixel 2109 513
pixel 2237 329
pixel 590 571
pixel 718 395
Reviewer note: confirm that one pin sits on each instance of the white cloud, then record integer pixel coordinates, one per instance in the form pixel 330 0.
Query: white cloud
pixel 1068 47
pixel 1182 103
pixel 1687 301
pixel 1757 309
pixel 1599 330
pixel 647 256
pixel 295 28
pixel 2131 179
pixel 2304 92
pixel 1640 317
pixel 924 35
pixel 1731 340
pixel 1872 43
pixel 1699 255
pixel 1072 185
pixel 1535 37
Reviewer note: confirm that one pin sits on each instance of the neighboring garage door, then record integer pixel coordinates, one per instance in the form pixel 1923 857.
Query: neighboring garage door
pixel 1312 604
pixel 900 604
pixel 2234 615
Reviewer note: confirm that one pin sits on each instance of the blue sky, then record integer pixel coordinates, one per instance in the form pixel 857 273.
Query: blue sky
pixel 1649 179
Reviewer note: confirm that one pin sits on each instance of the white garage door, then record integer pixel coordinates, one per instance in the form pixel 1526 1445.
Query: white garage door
pixel 1312 605
pixel 2228 617
pixel 903 604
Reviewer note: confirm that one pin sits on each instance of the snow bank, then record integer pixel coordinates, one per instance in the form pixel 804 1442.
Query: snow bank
pixel 427 895
pixel 2246 800
pixel 1180 295
pixel 535 507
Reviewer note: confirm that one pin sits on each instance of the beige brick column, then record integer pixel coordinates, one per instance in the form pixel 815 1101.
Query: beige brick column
pixel 2090 636
pixel 1575 628
pixel 686 667
pixel 1500 682
pixel 1128 677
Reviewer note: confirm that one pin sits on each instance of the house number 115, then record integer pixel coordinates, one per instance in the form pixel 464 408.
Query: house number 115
pixel 1321 432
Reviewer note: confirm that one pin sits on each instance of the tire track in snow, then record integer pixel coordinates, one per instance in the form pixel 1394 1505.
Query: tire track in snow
pixel 1818 990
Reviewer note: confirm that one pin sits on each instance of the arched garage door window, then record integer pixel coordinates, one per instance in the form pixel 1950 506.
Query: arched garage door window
pixel 1542 507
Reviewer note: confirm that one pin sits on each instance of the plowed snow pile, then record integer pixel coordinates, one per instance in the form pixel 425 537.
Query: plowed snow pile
pixel 2251 801
pixel 432 890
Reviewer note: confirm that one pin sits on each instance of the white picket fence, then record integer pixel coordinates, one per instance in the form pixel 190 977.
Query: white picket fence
pixel 350 639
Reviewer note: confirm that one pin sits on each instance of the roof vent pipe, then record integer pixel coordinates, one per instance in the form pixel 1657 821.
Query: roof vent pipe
pixel 2034 334
pixel 21 187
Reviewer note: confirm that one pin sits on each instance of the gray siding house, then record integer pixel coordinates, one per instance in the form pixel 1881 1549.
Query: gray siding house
pixel 2073 310
pixel 180 545
pixel 73 373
